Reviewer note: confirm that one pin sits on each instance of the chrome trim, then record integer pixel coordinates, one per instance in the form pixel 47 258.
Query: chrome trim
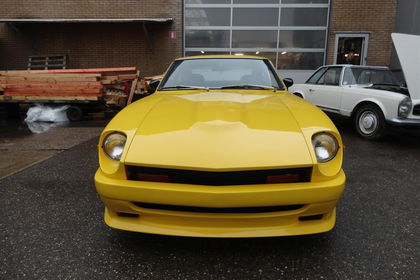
pixel 404 122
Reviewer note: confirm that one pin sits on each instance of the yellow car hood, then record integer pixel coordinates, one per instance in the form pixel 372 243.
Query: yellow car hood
pixel 212 130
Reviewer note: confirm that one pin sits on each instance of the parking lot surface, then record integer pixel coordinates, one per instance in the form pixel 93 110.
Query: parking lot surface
pixel 52 226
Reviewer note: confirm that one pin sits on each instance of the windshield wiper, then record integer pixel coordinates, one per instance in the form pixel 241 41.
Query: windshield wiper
pixel 184 87
pixel 247 86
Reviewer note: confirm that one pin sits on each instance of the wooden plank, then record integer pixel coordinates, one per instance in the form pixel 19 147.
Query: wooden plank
pixel 89 70
pixel 55 86
pixel 52 88
pixel 58 83
pixel 46 92
pixel 25 73
pixel 109 77
pixel 48 79
pixel 127 76
pixel 133 88
pixel 43 98
pixel 108 82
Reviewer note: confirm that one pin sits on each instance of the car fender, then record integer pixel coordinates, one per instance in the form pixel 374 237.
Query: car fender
pixel 377 102
pixel 298 89
pixel 301 92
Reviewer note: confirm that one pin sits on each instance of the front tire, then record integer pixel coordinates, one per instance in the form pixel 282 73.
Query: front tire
pixel 370 122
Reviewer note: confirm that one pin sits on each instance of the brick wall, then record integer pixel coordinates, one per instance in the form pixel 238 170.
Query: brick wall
pixel 376 17
pixel 92 44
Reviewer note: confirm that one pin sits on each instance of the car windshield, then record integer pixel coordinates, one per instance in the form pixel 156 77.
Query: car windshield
pixel 364 76
pixel 219 73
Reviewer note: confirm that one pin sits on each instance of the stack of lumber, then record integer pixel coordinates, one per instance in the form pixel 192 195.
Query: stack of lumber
pixel 66 84
pixel 143 85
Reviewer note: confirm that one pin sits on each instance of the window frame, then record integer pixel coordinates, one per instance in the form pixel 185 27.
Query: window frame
pixel 278 29
pixel 327 68
pixel 178 62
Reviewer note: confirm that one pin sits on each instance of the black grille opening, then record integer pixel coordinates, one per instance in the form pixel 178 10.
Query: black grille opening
pixel 271 176
pixel 229 210
pixel 311 218
pixel 127 215
pixel 416 110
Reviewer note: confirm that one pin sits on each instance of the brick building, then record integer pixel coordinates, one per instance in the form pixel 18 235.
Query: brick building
pixel 297 35
pixel 92 33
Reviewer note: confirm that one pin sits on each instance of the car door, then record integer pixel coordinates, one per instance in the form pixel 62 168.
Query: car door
pixel 324 89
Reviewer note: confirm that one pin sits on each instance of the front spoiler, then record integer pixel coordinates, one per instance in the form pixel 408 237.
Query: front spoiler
pixel 318 198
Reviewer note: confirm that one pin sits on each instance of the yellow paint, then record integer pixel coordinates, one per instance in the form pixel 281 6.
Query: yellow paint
pixel 221 130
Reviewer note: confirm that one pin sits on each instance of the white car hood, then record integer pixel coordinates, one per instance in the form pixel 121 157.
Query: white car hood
pixel 408 50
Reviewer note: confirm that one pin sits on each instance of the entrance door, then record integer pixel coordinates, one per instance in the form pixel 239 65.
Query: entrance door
pixel 351 49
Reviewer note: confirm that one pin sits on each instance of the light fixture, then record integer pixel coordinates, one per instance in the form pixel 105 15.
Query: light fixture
pixel 239 54
pixel 283 52
pixel 202 51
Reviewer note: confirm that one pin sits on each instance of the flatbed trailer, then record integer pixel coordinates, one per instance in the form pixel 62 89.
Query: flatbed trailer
pixel 82 89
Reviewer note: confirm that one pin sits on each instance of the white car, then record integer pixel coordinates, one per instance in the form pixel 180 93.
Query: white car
pixel 372 96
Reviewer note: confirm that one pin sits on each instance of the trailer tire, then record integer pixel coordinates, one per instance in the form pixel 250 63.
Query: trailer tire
pixel 74 113
pixel 12 110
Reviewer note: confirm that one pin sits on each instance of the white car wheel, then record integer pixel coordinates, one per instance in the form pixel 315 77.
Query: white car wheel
pixel 370 122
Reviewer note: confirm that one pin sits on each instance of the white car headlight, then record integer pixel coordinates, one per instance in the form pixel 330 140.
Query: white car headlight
pixel 325 146
pixel 113 145
pixel 404 108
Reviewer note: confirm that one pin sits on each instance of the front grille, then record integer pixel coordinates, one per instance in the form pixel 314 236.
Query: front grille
pixel 229 210
pixel 271 176
pixel 416 110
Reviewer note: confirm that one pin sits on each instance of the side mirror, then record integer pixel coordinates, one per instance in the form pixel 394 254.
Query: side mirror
pixel 153 85
pixel 288 82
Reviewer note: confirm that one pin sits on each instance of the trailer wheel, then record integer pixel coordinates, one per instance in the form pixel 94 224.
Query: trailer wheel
pixel 74 113
pixel 12 110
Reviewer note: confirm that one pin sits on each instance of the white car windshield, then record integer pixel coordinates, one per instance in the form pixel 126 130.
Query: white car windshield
pixel 245 73
pixel 365 76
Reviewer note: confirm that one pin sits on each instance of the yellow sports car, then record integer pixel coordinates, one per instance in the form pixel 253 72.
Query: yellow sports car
pixel 221 149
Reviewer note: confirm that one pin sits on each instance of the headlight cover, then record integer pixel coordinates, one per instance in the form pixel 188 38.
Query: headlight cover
pixel 404 108
pixel 325 146
pixel 113 145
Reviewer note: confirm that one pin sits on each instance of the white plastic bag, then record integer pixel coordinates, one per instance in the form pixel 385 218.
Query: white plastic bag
pixel 41 113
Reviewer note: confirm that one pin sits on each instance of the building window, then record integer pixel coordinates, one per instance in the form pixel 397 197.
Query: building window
pixel 291 33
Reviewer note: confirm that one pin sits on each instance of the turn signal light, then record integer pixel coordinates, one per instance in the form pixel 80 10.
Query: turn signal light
pixel 286 178
pixel 153 177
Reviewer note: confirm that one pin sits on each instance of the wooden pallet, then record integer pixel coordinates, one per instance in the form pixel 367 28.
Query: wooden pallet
pixel 38 62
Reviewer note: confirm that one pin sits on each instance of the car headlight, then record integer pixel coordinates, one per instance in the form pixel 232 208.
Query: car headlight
pixel 325 146
pixel 113 145
pixel 404 108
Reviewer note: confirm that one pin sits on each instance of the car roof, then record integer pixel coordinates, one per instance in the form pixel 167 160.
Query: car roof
pixel 220 56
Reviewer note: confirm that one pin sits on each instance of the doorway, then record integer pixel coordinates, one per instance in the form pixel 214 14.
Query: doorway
pixel 351 49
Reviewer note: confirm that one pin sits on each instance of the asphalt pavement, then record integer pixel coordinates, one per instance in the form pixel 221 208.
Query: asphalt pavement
pixel 51 226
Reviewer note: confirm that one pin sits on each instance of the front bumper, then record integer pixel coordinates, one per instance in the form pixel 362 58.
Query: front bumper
pixel 317 198
pixel 404 122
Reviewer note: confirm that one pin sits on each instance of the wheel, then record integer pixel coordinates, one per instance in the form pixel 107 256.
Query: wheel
pixel 74 113
pixel 12 110
pixel 298 94
pixel 370 122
